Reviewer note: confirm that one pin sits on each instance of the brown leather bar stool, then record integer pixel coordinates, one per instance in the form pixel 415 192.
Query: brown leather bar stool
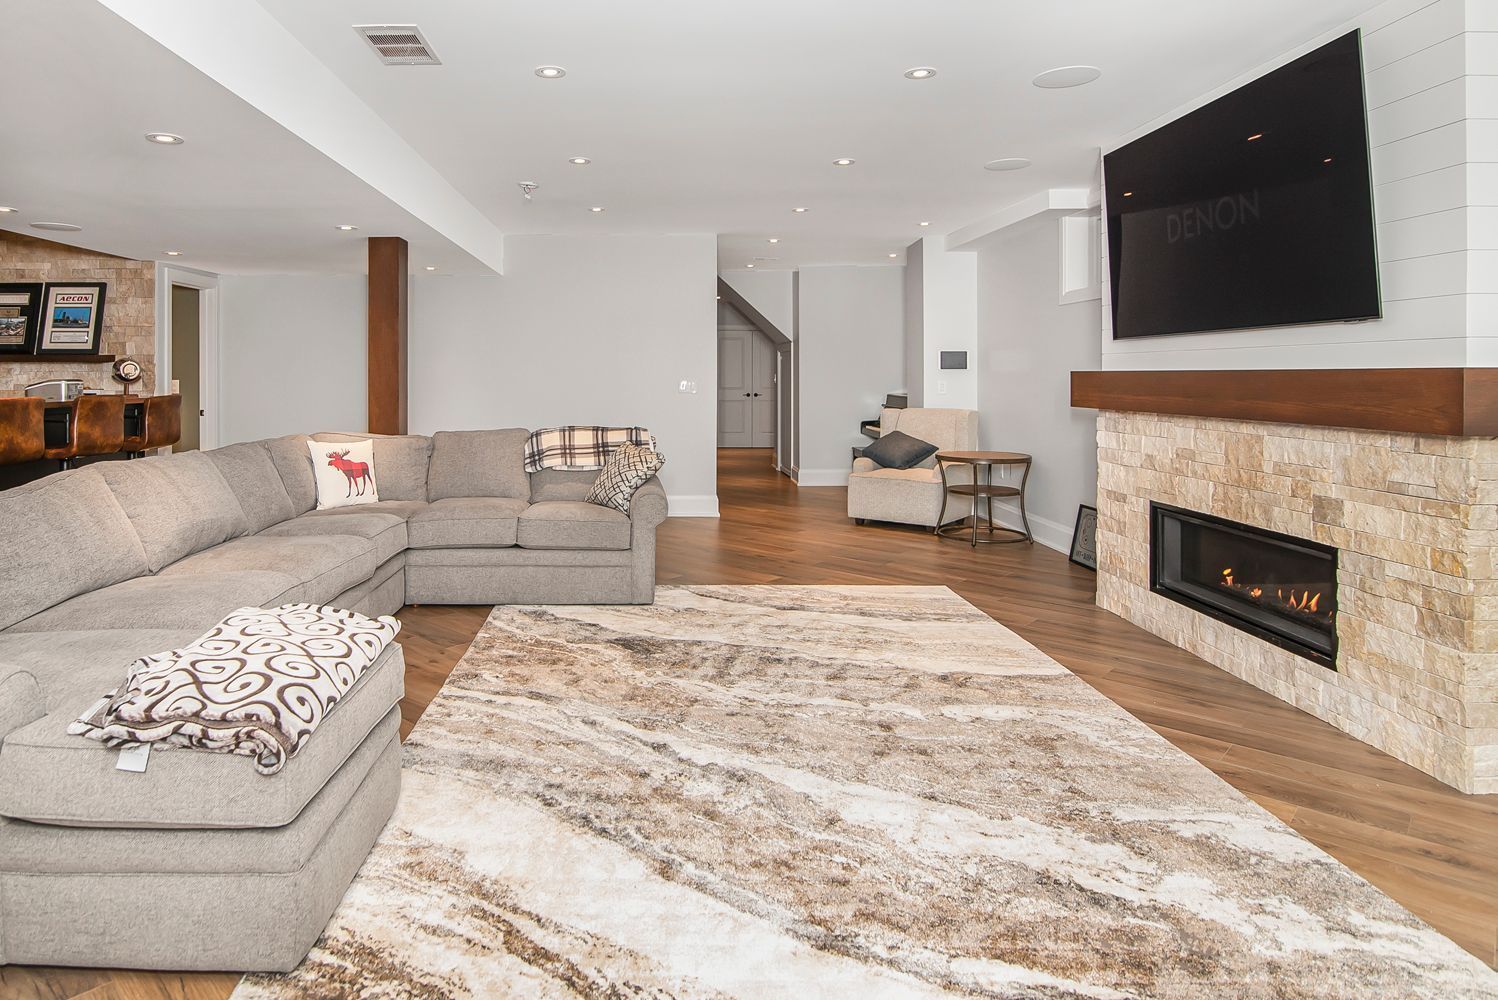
pixel 23 436
pixel 160 425
pixel 97 428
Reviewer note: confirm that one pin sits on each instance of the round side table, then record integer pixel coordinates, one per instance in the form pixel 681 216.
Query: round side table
pixel 982 488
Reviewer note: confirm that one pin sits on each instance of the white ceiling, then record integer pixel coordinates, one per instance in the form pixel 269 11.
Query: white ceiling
pixel 699 117
pixel 241 196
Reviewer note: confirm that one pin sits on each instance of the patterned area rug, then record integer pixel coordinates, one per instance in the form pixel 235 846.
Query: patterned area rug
pixel 860 792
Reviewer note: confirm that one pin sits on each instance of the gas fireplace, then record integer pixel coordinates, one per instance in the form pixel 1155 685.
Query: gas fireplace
pixel 1279 588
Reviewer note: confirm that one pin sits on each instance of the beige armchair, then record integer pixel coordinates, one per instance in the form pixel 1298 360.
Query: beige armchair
pixel 913 496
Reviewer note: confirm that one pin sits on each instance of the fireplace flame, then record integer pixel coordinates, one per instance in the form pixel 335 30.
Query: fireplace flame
pixel 1303 601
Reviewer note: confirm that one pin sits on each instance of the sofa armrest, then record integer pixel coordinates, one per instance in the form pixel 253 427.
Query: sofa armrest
pixel 861 464
pixel 648 508
pixel 21 699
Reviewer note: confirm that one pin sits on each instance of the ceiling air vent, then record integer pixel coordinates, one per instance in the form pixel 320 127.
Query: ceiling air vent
pixel 398 44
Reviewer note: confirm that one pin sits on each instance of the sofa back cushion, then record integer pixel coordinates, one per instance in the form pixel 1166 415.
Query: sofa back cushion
pixel 479 464
pixel 400 461
pixel 178 504
pixel 294 463
pixel 560 484
pixel 251 474
pixel 65 536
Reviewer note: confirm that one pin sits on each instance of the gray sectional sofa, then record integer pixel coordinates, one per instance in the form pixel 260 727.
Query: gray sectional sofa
pixel 199 862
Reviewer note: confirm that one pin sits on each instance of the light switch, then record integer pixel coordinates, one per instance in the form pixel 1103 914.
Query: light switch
pixel 941 388
pixel 687 386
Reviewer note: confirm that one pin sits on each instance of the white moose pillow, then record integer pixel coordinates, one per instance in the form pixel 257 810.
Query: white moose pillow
pixel 345 473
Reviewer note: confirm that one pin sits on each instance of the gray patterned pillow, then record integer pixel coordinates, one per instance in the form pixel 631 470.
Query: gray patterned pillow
pixel 625 472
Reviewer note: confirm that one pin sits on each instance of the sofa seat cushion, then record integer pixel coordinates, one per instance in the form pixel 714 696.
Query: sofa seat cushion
pixel 47 776
pixel 84 662
pixel 64 536
pixel 916 476
pixel 572 524
pixel 467 522
pixel 386 532
pixel 162 853
pixel 178 504
pixel 403 509
pixel 182 601
pixel 324 565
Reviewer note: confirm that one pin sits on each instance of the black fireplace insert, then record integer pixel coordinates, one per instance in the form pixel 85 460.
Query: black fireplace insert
pixel 1277 587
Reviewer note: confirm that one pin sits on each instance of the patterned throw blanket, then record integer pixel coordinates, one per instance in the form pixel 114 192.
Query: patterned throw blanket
pixel 258 684
pixel 580 449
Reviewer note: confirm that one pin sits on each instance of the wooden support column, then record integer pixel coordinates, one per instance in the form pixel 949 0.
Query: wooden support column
pixel 387 334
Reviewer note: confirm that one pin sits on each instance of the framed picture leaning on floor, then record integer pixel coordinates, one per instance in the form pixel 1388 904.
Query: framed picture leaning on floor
pixel 1084 538
pixel 72 318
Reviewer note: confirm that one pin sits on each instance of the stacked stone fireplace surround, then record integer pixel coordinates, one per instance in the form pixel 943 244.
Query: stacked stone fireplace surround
pixel 1415 518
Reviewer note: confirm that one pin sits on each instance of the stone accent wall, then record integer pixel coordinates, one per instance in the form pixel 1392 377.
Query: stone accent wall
pixel 1416 520
pixel 129 310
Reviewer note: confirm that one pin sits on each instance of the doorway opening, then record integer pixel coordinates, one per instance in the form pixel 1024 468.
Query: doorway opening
pixel 187 351
pixel 747 380
pixel 186 363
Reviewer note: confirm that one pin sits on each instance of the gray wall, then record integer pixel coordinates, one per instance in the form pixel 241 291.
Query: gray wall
pixel 580 330
pixel 1028 345
pixel 850 346
pixel 292 355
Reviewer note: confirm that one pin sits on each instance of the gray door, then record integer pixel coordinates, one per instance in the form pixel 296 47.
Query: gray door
pixel 746 389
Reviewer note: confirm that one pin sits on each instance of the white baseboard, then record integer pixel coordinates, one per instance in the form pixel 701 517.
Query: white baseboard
pixel 821 477
pixel 1047 532
pixel 693 506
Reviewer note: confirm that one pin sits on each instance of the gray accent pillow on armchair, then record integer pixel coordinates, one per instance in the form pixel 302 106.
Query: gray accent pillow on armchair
pixel 898 450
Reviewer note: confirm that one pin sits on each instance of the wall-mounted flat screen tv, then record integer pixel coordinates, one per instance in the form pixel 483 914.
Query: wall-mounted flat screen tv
pixel 1255 210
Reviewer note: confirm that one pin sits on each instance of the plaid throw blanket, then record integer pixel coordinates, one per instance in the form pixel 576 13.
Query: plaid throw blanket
pixel 258 684
pixel 580 449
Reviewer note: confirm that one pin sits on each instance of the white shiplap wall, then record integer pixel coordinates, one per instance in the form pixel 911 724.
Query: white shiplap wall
pixel 1433 127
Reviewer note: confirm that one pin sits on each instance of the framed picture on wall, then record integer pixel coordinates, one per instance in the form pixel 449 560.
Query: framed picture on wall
pixel 20 312
pixel 72 318
pixel 1084 538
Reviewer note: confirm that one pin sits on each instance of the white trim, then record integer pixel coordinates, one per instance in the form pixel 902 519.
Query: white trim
pixel 1046 532
pixel 693 505
pixel 822 477
pixel 209 395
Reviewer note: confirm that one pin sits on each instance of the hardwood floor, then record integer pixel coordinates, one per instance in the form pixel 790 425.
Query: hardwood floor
pixel 1430 847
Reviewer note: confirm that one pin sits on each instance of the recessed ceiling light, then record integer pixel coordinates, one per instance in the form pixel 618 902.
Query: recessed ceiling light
pixel 798 211
pixel 6 208
pixel 431 267
pixel 920 73
pixel 893 256
pixel 57 227
pixel 164 138
pixel 1066 76
pixel 596 208
pixel 773 239
pixel 1327 160
pixel 172 253
pixel 748 265
pixel 550 72
pixel 925 223
pixel 1007 163
pixel 579 161
pixel 1255 137
pixel 842 161
pixel 348 229
pixel 1128 194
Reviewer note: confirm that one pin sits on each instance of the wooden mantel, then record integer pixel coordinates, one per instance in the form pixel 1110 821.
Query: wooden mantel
pixel 1456 402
